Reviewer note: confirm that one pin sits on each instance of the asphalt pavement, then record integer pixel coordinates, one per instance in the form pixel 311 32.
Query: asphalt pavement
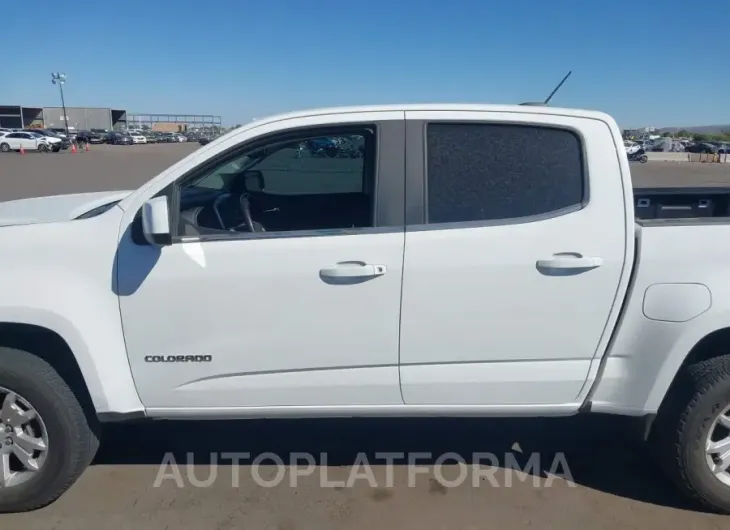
pixel 298 474
pixel 604 480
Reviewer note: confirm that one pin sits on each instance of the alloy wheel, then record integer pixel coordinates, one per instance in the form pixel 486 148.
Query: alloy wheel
pixel 717 447
pixel 23 440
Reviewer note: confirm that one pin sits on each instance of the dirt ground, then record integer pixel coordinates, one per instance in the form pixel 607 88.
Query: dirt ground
pixel 611 481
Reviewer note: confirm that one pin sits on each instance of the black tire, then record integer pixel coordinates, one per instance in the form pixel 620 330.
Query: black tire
pixel 5 148
pixel 72 441
pixel 43 148
pixel 701 392
pixel 644 159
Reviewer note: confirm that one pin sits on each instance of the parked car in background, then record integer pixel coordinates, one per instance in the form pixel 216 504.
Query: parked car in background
pixel 204 140
pixel 119 138
pixel 138 138
pixel 65 142
pixel 61 132
pixel 152 137
pixel 14 141
pixel 166 137
pixel 89 137
pixel 53 142
pixel 702 147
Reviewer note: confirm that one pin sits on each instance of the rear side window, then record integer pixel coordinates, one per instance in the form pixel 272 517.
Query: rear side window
pixel 488 172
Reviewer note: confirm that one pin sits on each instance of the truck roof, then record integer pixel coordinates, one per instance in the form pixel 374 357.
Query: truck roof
pixel 448 107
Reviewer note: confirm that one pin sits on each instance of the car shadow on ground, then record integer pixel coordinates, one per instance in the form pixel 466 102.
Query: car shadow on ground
pixel 599 452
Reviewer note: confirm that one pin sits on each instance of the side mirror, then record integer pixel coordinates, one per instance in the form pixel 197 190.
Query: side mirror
pixel 156 221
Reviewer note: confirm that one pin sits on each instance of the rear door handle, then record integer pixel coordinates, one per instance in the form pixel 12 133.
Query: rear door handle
pixel 569 261
pixel 353 270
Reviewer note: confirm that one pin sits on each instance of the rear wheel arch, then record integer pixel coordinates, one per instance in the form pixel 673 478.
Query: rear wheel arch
pixel 712 345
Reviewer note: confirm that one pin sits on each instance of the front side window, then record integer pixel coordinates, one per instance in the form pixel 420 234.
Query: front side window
pixel 491 172
pixel 312 181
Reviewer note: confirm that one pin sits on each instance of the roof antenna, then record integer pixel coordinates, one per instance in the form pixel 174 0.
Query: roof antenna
pixel 545 103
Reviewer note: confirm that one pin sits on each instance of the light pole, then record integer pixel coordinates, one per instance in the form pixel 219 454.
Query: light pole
pixel 59 79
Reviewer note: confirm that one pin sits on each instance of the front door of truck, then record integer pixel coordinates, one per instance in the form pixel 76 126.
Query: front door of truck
pixel 511 273
pixel 303 314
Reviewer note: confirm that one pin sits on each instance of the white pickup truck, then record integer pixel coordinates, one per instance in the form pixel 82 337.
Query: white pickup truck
pixel 432 260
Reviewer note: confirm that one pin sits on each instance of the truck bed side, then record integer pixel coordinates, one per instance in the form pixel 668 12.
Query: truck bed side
pixel 680 294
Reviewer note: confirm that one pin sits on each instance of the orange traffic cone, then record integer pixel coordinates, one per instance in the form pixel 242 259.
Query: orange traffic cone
pixel 22 150
pixel 73 148
pixel 87 147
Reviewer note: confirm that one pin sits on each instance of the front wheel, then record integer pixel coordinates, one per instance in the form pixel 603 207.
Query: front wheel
pixel 43 148
pixel 692 433
pixel 46 440
pixel 644 159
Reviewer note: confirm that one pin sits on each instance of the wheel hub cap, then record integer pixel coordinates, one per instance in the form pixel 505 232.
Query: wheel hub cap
pixel 717 447
pixel 23 440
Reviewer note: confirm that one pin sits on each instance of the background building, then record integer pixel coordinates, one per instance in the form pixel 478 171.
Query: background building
pixel 174 122
pixel 83 118
pixel 11 116
pixel 80 118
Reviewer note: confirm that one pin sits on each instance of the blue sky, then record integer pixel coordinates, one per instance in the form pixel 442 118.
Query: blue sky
pixel 644 62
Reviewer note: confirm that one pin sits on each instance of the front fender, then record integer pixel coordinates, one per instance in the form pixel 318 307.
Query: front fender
pixel 59 276
pixel 108 381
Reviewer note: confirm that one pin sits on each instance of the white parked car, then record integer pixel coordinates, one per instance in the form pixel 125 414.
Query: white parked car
pixel 14 141
pixel 417 260
pixel 138 138
pixel 54 143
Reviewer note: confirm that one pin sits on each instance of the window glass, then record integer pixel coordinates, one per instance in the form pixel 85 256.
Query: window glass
pixel 485 172
pixel 315 182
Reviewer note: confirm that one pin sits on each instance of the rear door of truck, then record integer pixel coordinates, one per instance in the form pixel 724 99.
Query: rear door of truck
pixel 516 251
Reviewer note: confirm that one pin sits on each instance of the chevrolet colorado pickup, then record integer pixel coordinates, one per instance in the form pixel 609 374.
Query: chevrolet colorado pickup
pixel 439 260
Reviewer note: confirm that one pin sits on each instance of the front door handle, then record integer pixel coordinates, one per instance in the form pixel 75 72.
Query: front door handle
pixel 353 270
pixel 570 261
